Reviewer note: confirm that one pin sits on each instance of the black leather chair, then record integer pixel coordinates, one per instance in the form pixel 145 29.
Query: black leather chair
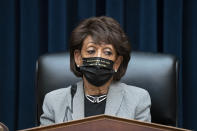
pixel 157 73
pixel 3 127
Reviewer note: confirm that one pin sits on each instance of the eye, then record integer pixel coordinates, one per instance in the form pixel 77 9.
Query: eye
pixel 108 53
pixel 90 51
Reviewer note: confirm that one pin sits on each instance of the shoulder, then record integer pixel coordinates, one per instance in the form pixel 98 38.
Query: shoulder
pixel 59 92
pixel 129 89
pixel 134 93
pixel 57 95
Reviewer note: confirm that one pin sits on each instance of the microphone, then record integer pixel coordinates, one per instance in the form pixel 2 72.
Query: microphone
pixel 73 91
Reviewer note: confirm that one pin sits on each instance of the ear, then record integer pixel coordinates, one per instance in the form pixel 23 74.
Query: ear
pixel 78 57
pixel 117 63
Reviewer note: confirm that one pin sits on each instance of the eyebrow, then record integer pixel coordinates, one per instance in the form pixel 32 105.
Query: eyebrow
pixel 107 45
pixel 91 42
pixel 108 48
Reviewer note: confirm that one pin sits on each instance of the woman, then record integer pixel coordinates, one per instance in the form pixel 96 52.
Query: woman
pixel 99 53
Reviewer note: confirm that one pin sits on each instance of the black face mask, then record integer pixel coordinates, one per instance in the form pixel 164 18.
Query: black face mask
pixel 97 70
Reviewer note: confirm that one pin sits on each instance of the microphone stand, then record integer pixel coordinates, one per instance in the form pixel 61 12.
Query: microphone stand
pixel 72 91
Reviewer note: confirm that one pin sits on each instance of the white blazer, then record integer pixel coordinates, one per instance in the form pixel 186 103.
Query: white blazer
pixel 123 101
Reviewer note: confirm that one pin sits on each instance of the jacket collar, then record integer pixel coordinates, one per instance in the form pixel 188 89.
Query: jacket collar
pixel 114 100
pixel 78 102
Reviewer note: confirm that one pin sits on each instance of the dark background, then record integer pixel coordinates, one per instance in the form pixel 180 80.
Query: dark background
pixel 30 28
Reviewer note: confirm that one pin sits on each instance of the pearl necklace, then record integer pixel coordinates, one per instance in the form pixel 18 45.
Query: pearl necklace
pixel 96 99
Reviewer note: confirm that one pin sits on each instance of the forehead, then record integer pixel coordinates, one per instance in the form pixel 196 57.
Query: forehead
pixel 88 41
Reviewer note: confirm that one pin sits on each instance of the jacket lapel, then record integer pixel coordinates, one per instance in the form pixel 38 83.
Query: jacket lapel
pixel 78 103
pixel 114 99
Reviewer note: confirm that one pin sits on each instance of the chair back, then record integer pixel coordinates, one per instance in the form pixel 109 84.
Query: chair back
pixel 157 73
pixel 3 127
